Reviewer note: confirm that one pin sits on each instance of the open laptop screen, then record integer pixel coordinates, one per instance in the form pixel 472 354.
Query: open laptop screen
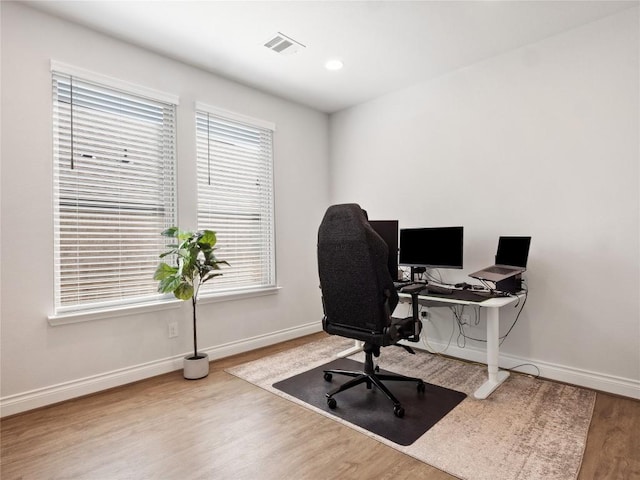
pixel 513 251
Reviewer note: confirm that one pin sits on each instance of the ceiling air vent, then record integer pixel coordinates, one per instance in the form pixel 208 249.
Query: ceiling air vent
pixel 282 44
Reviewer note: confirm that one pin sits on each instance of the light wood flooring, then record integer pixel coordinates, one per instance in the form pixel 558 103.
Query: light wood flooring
pixel 221 427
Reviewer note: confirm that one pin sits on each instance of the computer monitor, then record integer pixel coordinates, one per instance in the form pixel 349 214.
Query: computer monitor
pixel 439 247
pixel 388 230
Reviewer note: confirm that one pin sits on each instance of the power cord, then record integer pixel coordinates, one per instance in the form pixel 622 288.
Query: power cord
pixel 462 336
pixel 526 294
pixel 406 275
pixel 431 277
pixel 513 369
pixel 430 349
pixel 458 311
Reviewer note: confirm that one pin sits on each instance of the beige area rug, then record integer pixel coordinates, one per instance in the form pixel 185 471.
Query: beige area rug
pixel 527 429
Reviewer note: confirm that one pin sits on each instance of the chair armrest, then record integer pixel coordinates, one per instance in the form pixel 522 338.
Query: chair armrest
pixel 406 329
pixel 414 290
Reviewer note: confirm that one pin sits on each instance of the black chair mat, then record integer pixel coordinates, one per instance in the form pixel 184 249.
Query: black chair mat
pixel 371 409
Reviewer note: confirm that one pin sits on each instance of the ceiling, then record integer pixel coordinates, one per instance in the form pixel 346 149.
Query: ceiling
pixel 384 45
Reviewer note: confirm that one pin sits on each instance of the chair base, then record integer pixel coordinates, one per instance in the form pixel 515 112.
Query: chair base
pixel 371 378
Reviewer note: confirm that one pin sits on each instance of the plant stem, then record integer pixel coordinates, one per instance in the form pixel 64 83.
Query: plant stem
pixel 195 336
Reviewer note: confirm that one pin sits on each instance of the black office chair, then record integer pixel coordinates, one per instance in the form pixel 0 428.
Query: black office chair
pixel 358 297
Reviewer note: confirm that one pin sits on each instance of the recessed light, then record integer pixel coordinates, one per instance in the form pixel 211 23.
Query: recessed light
pixel 334 64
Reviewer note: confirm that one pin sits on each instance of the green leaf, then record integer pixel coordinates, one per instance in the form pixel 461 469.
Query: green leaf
pixel 207 239
pixel 210 276
pixel 188 266
pixel 186 236
pixel 170 232
pixel 163 271
pixel 196 262
pixel 169 284
pixel 184 291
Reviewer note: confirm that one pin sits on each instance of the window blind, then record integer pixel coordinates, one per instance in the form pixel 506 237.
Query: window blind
pixel 114 192
pixel 235 199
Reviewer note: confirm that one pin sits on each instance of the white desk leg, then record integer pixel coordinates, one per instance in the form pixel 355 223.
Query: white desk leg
pixel 496 377
pixel 350 351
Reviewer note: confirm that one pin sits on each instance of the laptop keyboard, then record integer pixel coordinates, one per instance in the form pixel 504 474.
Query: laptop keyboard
pixel 500 270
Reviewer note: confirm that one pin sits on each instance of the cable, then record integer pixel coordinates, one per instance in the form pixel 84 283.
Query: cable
pixel 429 274
pixel 406 274
pixel 526 294
pixel 458 310
pixel 458 316
pixel 461 324
pixel 430 349
pixel 513 369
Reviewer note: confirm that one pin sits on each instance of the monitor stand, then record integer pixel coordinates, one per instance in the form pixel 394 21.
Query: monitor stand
pixel 415 271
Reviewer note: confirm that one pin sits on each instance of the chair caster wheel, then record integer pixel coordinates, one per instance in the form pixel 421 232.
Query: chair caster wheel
pixel 328 376
pixel 421 387
pixel 331 402
pixel 377 369
pixel 398 411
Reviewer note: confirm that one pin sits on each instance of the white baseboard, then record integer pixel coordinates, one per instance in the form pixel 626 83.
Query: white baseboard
pixel 21 402
pixel 583 378
pixel 41 397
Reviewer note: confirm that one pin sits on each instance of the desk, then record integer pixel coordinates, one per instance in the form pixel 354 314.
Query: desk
pixel 493 306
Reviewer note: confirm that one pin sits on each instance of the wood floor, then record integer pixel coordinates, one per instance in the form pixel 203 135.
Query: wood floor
pixel 221 427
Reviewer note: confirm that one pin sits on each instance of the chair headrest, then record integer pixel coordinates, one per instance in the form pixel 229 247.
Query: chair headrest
pixel 343 222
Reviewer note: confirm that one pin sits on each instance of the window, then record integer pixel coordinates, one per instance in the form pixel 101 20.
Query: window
pixel 114 192
pixel 235 196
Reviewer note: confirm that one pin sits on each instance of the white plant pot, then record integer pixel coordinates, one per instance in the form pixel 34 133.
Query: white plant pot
pixel 195 368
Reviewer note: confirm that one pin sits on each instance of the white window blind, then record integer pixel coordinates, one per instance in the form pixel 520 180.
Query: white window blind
pixel 114 193
pixel 235 198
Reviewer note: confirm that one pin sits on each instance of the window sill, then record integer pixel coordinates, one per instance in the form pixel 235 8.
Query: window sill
pixel 67 318
pixel 237 295
pixel 111 312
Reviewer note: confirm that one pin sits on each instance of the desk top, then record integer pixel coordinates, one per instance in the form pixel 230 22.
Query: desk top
pixel 434 299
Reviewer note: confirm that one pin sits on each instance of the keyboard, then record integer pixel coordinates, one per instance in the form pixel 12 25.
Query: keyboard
pixel 436 289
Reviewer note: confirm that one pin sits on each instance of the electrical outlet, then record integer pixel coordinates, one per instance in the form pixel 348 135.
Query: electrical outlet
pixel 173 330
pixel 465 319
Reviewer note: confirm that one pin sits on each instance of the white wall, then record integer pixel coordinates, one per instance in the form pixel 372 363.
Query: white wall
pixel 559 119
pixel 540 141
pixel 41 363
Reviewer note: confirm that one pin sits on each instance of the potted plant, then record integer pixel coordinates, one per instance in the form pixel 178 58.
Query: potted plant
pixel 195 265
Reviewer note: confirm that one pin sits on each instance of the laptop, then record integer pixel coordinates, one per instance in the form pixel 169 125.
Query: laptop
pixel 511 259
